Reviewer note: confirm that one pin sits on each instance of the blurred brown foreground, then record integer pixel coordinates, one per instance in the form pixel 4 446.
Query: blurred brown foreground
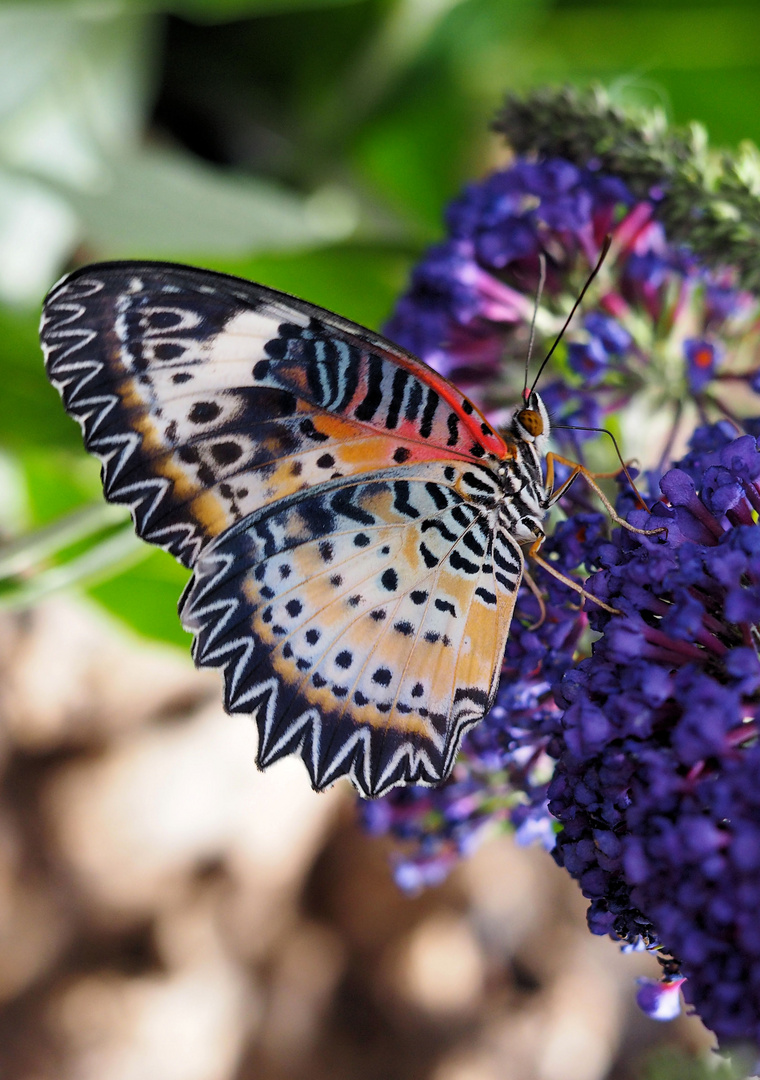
pixel 169 913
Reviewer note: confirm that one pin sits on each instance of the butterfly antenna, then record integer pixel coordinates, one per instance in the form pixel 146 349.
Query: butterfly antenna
pixel 606 431
pixel 539 294
pixel 576 305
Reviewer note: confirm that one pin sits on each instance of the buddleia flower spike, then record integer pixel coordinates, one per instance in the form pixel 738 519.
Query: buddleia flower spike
pixel 634 761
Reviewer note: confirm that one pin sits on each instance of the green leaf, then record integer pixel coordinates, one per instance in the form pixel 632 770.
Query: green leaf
pixel 431 135
pixel 614 37
pixel 58 481
pixel 167 204
pixel 145 597
pixel 360 283
pixel 76 538
pixel 222 10
pixel 75 87
pixel 202 10
pixel 25 582
pixel 415 156
pixel 68 535
pixel 31 414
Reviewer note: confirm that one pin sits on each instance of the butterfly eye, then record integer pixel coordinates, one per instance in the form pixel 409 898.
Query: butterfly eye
pixel 531 421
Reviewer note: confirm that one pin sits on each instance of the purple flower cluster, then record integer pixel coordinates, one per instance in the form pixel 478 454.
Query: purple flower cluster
pixel 471 293
pixel 501 777
pixel 656 779
pixel 655 324
pixel 635 765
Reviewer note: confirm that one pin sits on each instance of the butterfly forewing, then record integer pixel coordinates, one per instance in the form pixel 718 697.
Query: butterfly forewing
pixel 207 397
pixel 336 498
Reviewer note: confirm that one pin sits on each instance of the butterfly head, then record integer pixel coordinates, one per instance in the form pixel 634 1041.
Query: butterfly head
pixel 530 422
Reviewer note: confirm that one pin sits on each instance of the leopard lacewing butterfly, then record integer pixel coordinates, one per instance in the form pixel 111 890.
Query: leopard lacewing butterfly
pixel 353 523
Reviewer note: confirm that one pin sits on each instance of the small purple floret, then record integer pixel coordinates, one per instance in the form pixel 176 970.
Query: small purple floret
pixel 660 1000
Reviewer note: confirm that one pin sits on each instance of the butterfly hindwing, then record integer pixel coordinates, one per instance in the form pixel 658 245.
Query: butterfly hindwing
pixel 363 623
pixel 336 498
pixel 207 397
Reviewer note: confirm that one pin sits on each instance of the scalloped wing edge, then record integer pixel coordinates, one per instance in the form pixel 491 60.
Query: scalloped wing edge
pixel 355 758
pixel 71 375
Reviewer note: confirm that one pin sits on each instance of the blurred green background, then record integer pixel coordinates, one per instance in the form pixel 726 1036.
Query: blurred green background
pixel 309 144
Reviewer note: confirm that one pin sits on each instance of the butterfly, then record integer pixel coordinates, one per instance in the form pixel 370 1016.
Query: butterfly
pixel 354 525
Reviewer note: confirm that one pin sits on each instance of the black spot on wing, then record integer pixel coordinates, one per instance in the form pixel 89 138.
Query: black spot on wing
pixel 401 499
pixel 400 379
pixel 438 495
pixel 511 566
pixel 350 374
pixel 453 426
pixel 473 544
pixel 226 453
pixel 486 596
pixel 389 580
pixel 373 398
pixel 168 350
pixel 382 676
pixel 474 694
pixel 276 348
pixel 432 402
pixel 459 562
pixel 440 527
pixel 429 558
pixel 413 402
pixel 463 515
pixel 343 503
pixel 204 412
pixel 477 483
pixel 307 428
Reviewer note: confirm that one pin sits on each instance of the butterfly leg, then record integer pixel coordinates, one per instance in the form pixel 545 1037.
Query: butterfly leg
pixel 541 605
pixel 590 478
pixel 534 555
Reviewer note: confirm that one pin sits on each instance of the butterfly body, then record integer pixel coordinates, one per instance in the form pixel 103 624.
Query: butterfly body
pixel 353 523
